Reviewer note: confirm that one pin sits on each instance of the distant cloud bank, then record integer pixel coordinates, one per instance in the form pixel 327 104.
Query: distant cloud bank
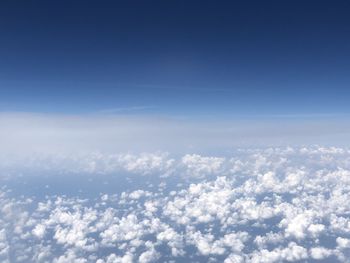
pixel 29 133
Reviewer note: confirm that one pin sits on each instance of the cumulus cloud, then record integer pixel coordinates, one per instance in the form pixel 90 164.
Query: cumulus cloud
pixel 259 205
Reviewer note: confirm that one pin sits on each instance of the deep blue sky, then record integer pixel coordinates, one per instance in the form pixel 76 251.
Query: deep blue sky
pixel 175 57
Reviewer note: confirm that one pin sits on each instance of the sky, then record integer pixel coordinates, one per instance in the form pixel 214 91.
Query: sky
pixel 174 131
pixel 176 58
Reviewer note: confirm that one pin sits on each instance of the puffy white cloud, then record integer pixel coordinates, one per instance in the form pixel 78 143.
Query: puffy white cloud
pixel 137 194
pixel 320 253
pixel 199 166
pixel 69 257
pixel 113 258
pixel 268 205
pixel 150 255
pixel 292 253
pixel 126 228
pixel 39 231
pixel 343 242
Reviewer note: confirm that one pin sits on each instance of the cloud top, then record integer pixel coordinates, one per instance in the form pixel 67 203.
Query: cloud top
pixel 267 205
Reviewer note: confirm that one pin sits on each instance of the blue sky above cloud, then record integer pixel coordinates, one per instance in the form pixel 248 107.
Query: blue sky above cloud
pixel 218 59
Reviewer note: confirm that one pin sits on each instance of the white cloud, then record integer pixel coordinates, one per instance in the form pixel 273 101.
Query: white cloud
pixel 39 231
pixel 24 134
pixel 268 205
pixel 199 166
pixel 150 255
pixel 320 253
pixel 292 252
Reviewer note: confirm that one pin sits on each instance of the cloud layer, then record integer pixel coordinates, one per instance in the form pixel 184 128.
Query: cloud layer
pixel 262 205
pixel 27 133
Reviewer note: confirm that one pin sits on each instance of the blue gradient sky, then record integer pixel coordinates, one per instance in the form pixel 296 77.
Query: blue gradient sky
pixel 220 58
